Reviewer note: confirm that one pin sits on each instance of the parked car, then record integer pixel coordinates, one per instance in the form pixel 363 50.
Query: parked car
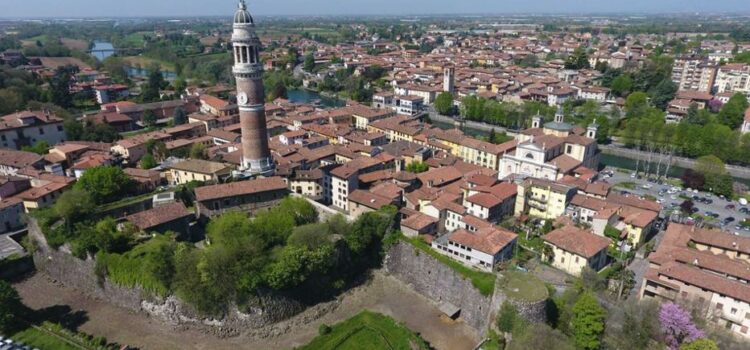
pixel 744 210
pixel 729 206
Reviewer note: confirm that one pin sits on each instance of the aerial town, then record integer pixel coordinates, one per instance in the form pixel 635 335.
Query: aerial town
pixel 479 182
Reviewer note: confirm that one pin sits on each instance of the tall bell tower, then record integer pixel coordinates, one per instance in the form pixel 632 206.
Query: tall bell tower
pixel 248 74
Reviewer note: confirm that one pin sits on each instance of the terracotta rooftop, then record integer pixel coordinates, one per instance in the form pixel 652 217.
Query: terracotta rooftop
pixel 200 166
pixel 159 215
pixel 239 188
pixel 577 241
pixel 486 240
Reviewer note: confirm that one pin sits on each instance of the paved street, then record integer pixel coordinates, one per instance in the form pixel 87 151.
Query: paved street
pixel 668 200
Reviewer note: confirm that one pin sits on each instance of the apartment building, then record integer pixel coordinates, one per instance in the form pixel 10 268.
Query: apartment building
pixel 543 198
pixel 733 78
pixel 707 268
pixel 694 72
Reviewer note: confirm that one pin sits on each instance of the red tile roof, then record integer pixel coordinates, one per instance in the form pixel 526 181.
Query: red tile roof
pixel 159 215
pixel 239 188
pixel 577 241
pixel 487 240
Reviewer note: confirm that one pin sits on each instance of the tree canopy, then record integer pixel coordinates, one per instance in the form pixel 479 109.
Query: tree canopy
pixel 105 183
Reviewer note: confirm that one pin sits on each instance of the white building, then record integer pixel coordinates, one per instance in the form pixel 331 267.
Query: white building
pixel 483 249
pixel 29 127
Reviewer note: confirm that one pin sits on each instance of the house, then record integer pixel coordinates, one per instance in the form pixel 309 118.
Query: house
pixel 11 185
pixel 198 170
pixel 43 196
pixel 29 127
pixel 119 122
pixel 11 214
pixel 169 217
pixel 361 201
pixel 11 161
pixel 133 148
pixel 483 249
pixel 417 224
pixel 308 183
pixel 145 180
pixel 706 268
pixel 250 195
pixel 572 249
pixel 112 92
pixel 492 203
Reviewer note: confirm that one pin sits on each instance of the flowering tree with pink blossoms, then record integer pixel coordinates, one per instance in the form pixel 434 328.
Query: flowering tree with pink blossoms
pixel 677 325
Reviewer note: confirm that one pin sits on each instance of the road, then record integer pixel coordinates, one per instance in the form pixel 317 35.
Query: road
pixel 668 200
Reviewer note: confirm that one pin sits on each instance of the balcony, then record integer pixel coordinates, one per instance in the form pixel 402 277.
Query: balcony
pixel 537 205
pixel 540 199
pixel 660 291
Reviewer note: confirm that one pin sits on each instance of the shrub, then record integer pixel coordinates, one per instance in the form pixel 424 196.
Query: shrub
pixel 324 329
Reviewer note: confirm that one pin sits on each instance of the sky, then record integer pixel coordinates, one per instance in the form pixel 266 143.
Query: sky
pixel 181 8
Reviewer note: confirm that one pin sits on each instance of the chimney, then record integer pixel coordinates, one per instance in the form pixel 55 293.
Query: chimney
pixel 695 262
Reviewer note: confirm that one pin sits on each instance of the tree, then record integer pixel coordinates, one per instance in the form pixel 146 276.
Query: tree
pixel 622 85
pixel 41 147
pixel 179 117
pixel 149 119
pixel 147 162
pixel 587 323
pixel 104 183
pixel 444 103
pixel 700 344
pixel 662 93
pixel 416 167
pixel 732 113
pixel 198 151
pixel 506 317
pixel 686 207
pixel 636 105
pixel 578 60
pixel 73 204
pixel 10 306
pixel 632 326
pixel 59 88
pixel 539 336
pixel 677 326
pixel 309 64
pixel 150 91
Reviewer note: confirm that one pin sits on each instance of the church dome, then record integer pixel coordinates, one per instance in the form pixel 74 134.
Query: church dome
pixel 242 16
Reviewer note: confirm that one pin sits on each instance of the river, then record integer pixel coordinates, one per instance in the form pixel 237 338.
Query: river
pixel 102 50
pixel 307 96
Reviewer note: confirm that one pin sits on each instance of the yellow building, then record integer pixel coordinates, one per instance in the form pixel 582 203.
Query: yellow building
pixel 543 198
pixel 573 249
pixel 198 170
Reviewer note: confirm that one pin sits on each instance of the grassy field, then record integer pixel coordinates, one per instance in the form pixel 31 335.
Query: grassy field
pixel 42 340
pixel 144 62
pixel 75 44
pixel 483 281
pixel 136 39
pixel 522 286
pixel 367 331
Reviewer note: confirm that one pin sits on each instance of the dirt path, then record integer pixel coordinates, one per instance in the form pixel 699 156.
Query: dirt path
pixel 382 294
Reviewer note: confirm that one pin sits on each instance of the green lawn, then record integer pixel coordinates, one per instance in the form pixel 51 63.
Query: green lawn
pixel 483 281
pixel 627 184
pixel 523 286
pixel 367 331
pixel 42 340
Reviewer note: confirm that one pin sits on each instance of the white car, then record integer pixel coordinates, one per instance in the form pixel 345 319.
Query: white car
pixel 647 186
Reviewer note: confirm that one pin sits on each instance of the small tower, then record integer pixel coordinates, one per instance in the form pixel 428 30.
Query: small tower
pixel 449 74
pixel 536 121
pixel 591 130
pixel 560 116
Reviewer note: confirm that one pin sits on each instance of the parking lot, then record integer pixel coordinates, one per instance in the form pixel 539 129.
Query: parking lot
pixel 719 212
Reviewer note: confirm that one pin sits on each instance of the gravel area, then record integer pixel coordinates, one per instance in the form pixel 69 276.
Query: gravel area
pixel 381 294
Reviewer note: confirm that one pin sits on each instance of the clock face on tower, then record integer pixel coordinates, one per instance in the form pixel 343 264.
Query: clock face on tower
pixel 242 98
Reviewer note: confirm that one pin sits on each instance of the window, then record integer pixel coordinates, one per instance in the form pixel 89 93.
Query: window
pixel 733 311
pixel 719 306
pixel 570 149
pixel 59 128
pixel 41 131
